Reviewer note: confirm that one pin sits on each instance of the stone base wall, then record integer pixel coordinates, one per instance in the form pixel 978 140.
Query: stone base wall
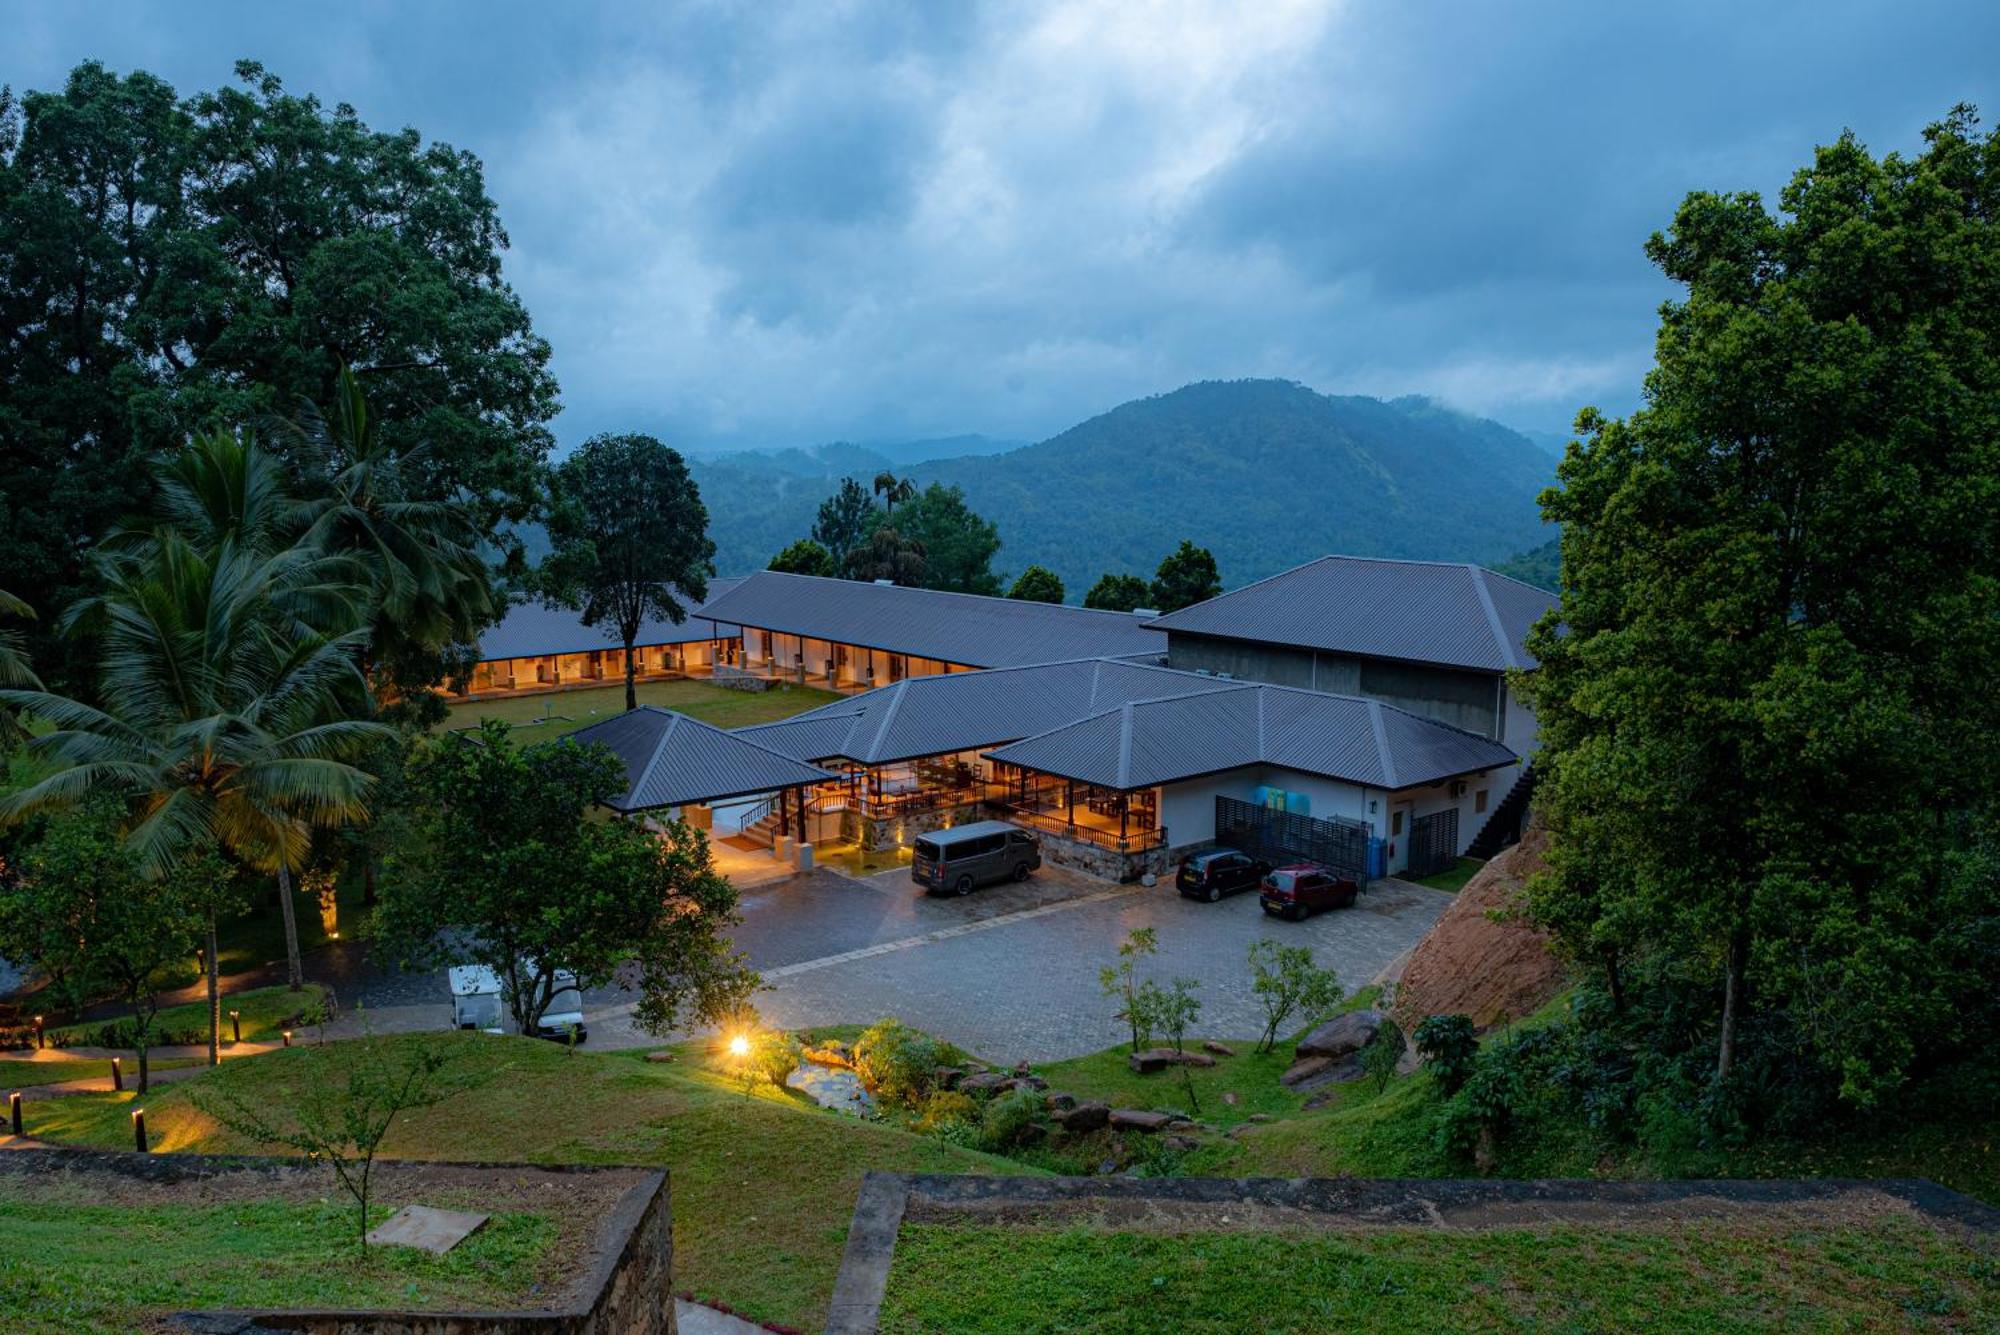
pixel 875 833
pixel 1096 860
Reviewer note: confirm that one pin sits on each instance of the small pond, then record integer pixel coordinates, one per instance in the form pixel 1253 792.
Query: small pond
pixel 834 1087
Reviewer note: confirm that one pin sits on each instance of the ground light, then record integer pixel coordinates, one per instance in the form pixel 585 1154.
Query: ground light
pixel 139 1130
pixel 287 1036
pixel 117 1074
pixel 14 1111
pixel 236 1026
pixel 739 1046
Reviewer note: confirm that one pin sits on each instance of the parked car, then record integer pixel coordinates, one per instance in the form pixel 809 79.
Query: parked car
pixel 1295 892
pixel 1217 872
pixel 967 856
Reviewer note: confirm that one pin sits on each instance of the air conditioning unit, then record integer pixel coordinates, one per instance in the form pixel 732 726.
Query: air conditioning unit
pixel 1458 788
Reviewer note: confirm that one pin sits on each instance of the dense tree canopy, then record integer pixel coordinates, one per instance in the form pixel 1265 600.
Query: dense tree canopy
pixel 1768 713
pixel 630 538
pixel 171 263
pixel 1118 593
pixel 958 545
pixel 888 555
pixel 1186 576
pixel 845 520
pixel 805 557
pixel 1037 584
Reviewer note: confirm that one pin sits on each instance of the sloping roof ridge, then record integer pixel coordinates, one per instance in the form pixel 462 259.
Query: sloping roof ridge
pixel 1382 751
pixel 937 593
pixel 638 785
pixel 1125 746
pixel 1491 573
pixel 901 691
pixel 1244 588
pixel 1501 638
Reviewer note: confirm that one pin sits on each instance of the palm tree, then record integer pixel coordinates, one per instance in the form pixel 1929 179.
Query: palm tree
pixel 231 697
pixel 15 669
pixel 433 588
pixel 893 489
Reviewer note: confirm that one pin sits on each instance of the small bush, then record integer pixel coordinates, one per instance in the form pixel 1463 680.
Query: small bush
pixel 1449 1046
pixel 947 1112
pixel 898 1063
pixel 1008 1117
pixel 776 1054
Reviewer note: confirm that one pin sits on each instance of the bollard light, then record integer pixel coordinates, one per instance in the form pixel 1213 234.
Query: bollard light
pixel 288 1037
pixel 117 1074
pixel 38 1032
pixel 139 1129
pixel 14 1111
pixel 236 1026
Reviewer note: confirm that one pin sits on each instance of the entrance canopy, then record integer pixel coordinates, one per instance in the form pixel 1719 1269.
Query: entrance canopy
pixel 672 760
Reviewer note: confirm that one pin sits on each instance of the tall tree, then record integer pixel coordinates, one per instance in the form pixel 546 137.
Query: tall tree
pixel 630 538
pixel 167 263
pixel 1766 699
pixel 230 699
pixel 845 520
pixel 958 545
pixel 1186 576
pixel 1118 593
pixel 527 881
pixel 1037 584
pixel 893 490
pixel 804 557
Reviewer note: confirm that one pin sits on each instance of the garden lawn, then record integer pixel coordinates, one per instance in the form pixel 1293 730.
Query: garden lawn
pixel 1453 879
pixel 762 1184
pixel 1885 1274
pixel 565 711
pixel 265 1012
pixel 21 1074
pixel 73 1265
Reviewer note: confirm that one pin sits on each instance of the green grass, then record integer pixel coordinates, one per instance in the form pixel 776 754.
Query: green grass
pixel 1453 880
pixel 763 1185
pixel 566 711
pixel 1887 1274
pixel 74 1265
pixel 21 1074
pixel 264 1012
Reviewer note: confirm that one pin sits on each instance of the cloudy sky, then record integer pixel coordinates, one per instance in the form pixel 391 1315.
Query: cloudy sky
pixel 752 224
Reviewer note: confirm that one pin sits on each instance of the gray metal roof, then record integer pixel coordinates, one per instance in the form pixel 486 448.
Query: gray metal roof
pixel 953 627
pixel 671 759
pixel 531 629
pixel 1414 611
pixel 966 711
pixel 1233 724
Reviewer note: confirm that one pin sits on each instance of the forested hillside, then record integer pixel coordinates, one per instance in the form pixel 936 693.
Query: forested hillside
pixel 1266 473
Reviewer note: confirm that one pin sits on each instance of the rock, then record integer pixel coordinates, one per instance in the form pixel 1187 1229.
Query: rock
pixel 1239 1129
pixel 947 1077
pixel 659 1056
pixel 1140 1119
pixel 1020 1068
pixel 985 1083
pixel 1149 880
pixel 1159 1059
pixel 1107 1168
pixel 1059 1102
pixel 1260 1117
pixel 1303 1070
pixel 1229 1097
pixel 1031 1134
pixel 1027 1082
pixel 1084 1117
pixel 1219 1049
pixel 1181 1143
pixel 1341 1035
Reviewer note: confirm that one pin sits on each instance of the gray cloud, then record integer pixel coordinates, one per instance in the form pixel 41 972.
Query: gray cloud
pixel 744 224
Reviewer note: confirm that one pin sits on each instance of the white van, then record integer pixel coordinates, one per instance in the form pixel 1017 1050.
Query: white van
pixel 478 1002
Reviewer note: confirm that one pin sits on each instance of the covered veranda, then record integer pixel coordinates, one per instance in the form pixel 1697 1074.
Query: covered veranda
pixel 833 665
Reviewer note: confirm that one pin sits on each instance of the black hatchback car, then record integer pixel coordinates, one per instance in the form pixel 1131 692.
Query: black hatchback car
pixel 1219 872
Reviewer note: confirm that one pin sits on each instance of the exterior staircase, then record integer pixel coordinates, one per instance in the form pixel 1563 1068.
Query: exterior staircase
pixel 764 830
pixel 1505 822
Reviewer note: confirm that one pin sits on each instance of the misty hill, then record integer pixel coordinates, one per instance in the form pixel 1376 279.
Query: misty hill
pixel 1266 473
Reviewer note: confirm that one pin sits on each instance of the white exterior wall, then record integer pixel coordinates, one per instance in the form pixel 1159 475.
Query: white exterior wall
pixel 1519 730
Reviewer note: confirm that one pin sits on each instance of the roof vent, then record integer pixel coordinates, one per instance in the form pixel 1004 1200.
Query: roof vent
pixel 886 583
pixel 1145 611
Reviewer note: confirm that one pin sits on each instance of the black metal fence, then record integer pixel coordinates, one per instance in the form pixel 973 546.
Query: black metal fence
pixel 1433 843
pixel 1280 837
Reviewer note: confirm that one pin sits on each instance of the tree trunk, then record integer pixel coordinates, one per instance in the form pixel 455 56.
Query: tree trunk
pixel 1615 979
pixel 214 999
pixel 368 883
pixel 631 670
pixel 295 973
pixel 1732 1004
pixel 144 1070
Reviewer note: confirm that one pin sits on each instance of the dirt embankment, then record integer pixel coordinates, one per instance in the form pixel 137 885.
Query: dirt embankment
pixel 1469 964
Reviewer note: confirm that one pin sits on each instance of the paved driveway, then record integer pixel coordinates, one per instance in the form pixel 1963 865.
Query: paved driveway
pixel 1010 972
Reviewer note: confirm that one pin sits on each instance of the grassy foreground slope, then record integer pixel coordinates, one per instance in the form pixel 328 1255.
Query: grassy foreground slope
pixel 762 1185
pixel 561 712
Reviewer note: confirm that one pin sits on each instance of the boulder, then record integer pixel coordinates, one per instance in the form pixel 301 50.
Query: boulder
pixel 1303 1070
pixel 1159 1059
pixel 1084 1117
pixel 1341 1035
pixel 1027 1082
pixel 1059 1102
pixel 985 1083
pixel 1180 1143
pixel 948 1076
pixel 1140 1119
pixel 659 1056
pixel 1219 1049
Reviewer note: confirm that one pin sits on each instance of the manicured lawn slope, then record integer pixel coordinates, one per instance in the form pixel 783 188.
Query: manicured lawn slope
pixel 21 1074
pixel 1886 1274
pixel 570 710
pixel 71 1265
pixel 762 1186
pixel 263 1013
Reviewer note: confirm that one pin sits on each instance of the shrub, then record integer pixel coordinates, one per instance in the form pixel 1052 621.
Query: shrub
pixel 1449 1046
pixel 776 1054
pixel 1384 1051
pixel 899 1063
pixel 1008 1117
pixel 947 1112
